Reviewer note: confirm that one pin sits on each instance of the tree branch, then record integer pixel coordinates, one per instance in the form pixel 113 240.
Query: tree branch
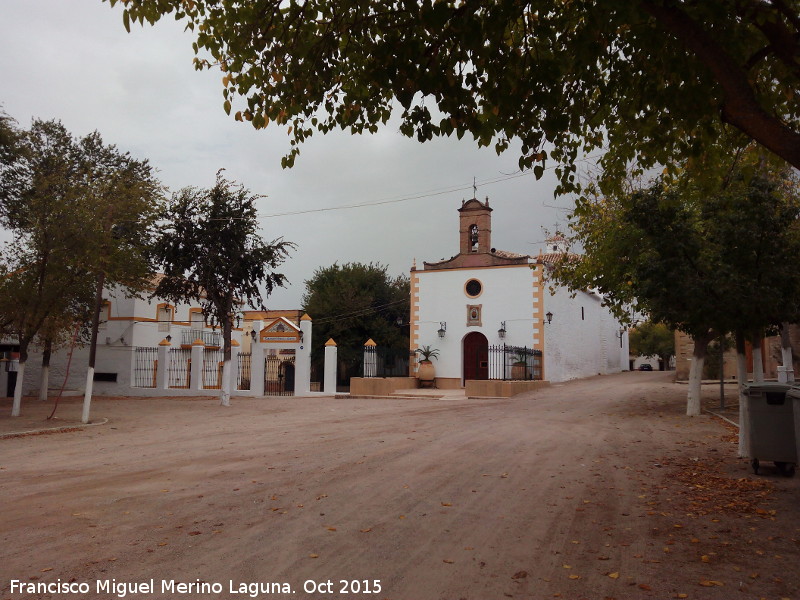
pixel 740 106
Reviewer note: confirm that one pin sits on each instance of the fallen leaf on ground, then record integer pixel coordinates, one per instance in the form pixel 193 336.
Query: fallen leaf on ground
pixel 448 561
pixel 645 587
pixel 446 504
pixel 614 575
pixel 711 583
pixel 313 556
pixel 519 575
pixel 367 530
pixel 574 576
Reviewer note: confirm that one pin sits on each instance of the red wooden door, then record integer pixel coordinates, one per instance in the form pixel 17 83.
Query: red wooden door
pixel 476 356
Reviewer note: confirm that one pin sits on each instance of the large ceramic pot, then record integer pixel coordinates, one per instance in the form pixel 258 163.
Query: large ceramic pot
pixel 426 373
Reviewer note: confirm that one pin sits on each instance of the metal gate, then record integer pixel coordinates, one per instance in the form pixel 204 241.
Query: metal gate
pixel 145 367
pixel 212 369
pixel 278 375
pixel 244 371
pixel 180 367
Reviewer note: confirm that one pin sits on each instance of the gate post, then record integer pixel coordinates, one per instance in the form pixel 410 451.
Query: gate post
pixel 257 368
pixel 196 372
pixel 302 367
pixel 331 352
pixel 162 370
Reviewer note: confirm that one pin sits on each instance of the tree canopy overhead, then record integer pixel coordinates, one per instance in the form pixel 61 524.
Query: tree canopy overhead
pixel 653 80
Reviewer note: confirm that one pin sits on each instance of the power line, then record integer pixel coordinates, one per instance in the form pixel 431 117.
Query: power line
pixel 397 200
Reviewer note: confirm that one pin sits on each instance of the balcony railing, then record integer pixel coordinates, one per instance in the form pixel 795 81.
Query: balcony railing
pixel 209 338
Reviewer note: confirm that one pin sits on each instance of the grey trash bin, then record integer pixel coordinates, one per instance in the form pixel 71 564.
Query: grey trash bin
pixel 793 396
pixel 771 433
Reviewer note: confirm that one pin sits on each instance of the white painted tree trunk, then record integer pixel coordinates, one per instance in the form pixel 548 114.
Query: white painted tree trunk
pixel 758 364
pixel 696 378
pixel 87 396
pixel 744 413
pixel 786 353
pixel 786 356
pixel 44 384
pixel 225 387
pixel 17 405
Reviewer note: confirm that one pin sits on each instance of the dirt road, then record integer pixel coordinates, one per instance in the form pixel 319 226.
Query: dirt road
pixel 593 489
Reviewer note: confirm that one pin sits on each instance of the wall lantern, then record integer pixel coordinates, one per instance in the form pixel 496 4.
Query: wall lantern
pixel 502 331
pixel 301 335
pixel 253 334
pixel 549 316
pixel 168 338
pixel 442 328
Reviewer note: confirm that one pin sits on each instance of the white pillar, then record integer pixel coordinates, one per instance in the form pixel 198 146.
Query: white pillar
pixel 302 366
pixel 196 375
pixel 233 368
pixel 162 370
pixel 257 368
pixel 331 352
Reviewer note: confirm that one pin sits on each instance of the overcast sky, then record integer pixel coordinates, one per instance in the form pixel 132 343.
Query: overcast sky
pixel 73 60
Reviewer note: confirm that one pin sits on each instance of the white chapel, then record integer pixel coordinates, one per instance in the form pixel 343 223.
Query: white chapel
pixel 484 305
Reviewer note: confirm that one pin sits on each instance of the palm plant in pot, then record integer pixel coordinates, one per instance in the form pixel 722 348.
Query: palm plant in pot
pixel 426 372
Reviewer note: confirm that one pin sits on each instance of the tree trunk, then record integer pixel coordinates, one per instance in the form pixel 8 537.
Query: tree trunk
pixel 44 384
pixel 758 361
pixel 744 413
pixel 787 352
pixel 23 358
pixel 696 375
pixel 98 304
pixel 225 384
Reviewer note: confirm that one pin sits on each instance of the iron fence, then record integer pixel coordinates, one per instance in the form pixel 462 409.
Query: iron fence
pixel 209 338
pixel 212 369
pixel 514 363
pixel 145 367
pixel 180 367
pixel 244 371
pixel 381 361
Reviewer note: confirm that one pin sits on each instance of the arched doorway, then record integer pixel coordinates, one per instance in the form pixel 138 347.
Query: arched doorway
pixel 476 356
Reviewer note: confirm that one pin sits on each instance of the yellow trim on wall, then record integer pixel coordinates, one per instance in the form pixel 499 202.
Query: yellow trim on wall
pixel 413 331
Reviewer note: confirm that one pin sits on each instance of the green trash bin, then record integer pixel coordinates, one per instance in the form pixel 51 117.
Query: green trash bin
pixel 772 426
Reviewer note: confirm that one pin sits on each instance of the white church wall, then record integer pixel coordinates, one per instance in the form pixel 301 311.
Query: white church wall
pixel 583 338
pixel 507 295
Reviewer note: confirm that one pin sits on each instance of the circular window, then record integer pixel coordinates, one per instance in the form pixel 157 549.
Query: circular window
pixel 473 288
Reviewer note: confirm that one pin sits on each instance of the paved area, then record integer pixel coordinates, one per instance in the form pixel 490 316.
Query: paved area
pixel 594 489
